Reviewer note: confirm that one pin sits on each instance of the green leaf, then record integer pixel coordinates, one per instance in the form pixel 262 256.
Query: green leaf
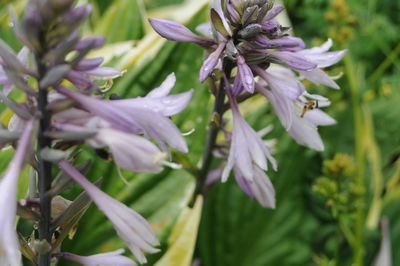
pixel 122 21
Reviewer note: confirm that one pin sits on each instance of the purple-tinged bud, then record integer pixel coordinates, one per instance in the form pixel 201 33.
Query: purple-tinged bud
pixel 78 14
pixel 79 79
pixel 19 82
pixel 93 42
pixel 232 15
pixel 89 64
pixel 250 31
pixel 18 108
pixel 211 62
pixel 246 75
pixel 250 15
pixel 273 12
pixel 218 23
pixel 58 54
pixel 176 32
pixel 10 59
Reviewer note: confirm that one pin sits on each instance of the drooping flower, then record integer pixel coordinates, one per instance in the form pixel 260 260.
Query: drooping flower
pixel 158 99
pixel 9 246
pixel 257 55
pixel 113 258
pixel 247 149
pixel 288 98
pixel 141 115
pixel 132 228
pixel 259 188
pixel 130 152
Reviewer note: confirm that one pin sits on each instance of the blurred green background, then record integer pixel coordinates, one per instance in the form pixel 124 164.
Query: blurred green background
pixel 329 205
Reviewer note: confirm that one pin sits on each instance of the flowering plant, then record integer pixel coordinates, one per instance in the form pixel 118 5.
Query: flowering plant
pixel 96 107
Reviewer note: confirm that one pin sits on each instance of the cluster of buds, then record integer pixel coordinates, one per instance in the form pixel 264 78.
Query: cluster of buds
pixel 254 54
pixel 64 108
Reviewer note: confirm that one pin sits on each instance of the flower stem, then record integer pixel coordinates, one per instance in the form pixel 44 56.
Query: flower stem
pixel 44 170
pixel 218 111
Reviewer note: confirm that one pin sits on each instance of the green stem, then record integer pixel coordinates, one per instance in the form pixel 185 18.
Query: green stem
pixel 358 251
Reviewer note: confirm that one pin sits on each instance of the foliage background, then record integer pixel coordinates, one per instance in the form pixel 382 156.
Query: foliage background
pixel 235 230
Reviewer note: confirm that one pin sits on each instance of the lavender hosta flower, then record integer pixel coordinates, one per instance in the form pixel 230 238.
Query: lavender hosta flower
pixel 103 259
pixel 288 98
pixel 134 115
pixel 259 188
pixel 9 247
pixel 258 40
pixel 159 101
pixel 132 228
pixel 129 151
pixel 305 129
pixel 247 149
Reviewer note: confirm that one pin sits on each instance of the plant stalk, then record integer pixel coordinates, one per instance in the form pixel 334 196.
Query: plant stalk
pixel 218 111
pixel 44 169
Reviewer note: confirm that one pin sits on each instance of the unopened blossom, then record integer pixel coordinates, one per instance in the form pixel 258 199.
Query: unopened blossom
pixel 89 69
pixel 132 228
pixel 113 258
pixel 10 254
pixel 4 79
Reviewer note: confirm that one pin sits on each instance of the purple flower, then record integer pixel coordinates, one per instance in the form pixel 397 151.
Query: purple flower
pixel 129 151
pixel 176 32
pixel 133 119
pixel 132 228
pixel 320 55
pixel 103 259
pixel 9 246
pixel 259 188
pixel 247 149
pixel 159 101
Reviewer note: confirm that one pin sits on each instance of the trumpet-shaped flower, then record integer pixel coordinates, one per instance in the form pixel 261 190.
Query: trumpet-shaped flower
pixel 259 188
pixel 103 259
pixel 9 248
pixel 133 119
pixel 158 100
pixel 132 228
pixel 247 149
pixel 130 152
